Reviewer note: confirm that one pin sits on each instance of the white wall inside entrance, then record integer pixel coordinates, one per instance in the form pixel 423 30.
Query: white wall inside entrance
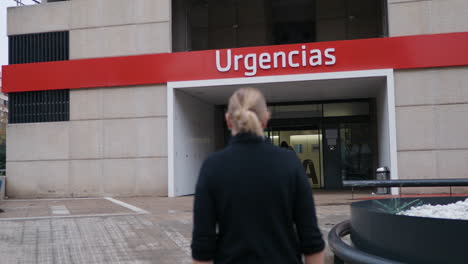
pixel 194 128
pixel 191 107
pixel 383 128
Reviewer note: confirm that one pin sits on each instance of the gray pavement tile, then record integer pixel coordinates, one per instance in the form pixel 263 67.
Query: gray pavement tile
pixel 163 236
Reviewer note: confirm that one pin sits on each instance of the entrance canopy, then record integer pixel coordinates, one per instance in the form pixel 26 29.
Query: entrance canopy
pixel 194 123
pixel 295 91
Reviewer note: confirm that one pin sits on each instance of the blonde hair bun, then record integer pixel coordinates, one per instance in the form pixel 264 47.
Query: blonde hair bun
pixel 247 109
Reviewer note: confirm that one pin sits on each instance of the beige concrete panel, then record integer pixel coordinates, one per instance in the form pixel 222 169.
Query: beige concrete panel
pixel 38 179
pixel 145 11
pixel 104 13
pixel 415 128
pixel 102 42
pixel 451 85
pixel 38 18
pixel 452 126
pixel 136 101
pixel 21 182
pixel 135 177
pixel 414 87
pixel 119 177
pixel 38 141
pixel 431 86
pixel 152 137
pixel 452 163
pixel 86 139
pixel 153 38
pixel 433 164
pixel 91 13
pixel 425 190
pixel 449 16
pixel 151 177
pixel 460 190
pixel 120 40
pixel 86 178
pixel 139 137
pixel 419 165
pixel 409 18
pixel 85 104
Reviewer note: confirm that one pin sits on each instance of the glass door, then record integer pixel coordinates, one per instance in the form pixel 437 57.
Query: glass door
pixel 357 151
pixel 307 144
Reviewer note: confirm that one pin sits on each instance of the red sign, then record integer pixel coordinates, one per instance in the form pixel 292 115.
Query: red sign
pixel 421 51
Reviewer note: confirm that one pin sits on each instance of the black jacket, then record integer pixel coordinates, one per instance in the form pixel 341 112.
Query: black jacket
pixel 257 195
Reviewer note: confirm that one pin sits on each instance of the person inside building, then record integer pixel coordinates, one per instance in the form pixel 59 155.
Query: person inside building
pixel 253 202
pixel 285 145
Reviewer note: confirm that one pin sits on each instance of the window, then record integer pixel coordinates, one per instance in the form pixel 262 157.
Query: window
pixel 39 47
pixel 216 24
pixel 39 106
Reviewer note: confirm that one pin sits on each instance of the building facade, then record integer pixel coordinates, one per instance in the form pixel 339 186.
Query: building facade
pixel 3 111
pixel 3 126
pixel 126 97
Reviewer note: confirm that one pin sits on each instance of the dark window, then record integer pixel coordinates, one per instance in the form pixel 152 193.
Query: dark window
pixel 216 24
pixel 39 47
pixel 39 106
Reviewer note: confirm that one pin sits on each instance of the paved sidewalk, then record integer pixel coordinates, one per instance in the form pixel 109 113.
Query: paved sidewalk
pixel 119 230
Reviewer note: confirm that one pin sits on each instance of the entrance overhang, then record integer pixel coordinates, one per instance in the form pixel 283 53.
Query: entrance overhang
pixel 199 94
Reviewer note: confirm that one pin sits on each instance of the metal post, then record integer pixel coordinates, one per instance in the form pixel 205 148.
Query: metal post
pixel 450 190
pixel 382 173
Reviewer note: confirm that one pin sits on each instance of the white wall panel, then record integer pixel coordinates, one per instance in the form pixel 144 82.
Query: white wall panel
pixel 194 129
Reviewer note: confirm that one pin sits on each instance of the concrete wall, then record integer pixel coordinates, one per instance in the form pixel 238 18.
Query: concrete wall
pixel 100 28
pixel 431 104
pixel 413 17
pixel 117 146
pixel 431 112
pixel 116 140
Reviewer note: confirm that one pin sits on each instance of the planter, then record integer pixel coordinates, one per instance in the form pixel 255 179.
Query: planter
pixel 409 239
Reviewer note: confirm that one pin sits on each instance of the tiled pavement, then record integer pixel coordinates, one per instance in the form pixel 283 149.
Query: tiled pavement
pixel 101 231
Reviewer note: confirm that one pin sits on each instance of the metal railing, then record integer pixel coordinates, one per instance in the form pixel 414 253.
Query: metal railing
pixel 406 183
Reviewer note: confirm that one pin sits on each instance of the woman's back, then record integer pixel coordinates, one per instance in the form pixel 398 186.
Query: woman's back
pixel 256 193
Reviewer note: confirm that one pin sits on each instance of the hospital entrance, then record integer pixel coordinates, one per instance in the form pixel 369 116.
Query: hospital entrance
pixel 339 128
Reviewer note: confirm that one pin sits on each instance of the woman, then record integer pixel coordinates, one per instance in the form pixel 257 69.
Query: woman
pixel 253 202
